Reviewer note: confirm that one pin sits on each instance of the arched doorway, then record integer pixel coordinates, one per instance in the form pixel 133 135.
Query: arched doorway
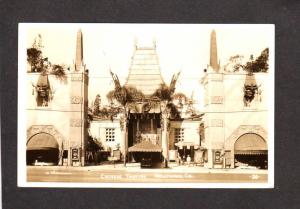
pixel 42 148
pixel 251 149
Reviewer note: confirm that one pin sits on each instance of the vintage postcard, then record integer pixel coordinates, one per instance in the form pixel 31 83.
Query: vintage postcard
pixel 146 105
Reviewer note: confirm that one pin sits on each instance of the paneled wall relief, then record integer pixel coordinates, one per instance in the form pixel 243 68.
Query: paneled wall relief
pixel 76 77
pixel 216 100
pixel 76 99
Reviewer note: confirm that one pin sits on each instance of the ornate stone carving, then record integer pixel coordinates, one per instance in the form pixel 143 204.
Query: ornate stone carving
pixel 75 122
pixel 76 99
pixel 243 129
pixel 76 77
pixel 251 90
pixel 168 125
pixel 166 113
pixel 216 100
pixel 164 122
pixel 49 129
pixel 249 94
pixel 122 122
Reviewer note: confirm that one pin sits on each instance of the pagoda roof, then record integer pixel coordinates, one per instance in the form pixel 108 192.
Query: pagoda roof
pixel 144 72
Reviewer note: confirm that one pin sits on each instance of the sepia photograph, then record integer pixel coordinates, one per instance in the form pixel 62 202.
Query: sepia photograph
pixel 146 105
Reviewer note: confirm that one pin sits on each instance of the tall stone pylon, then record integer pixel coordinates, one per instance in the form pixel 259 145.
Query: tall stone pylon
pixel 78 107
pixel 213 52
pixel 214 107
pixel 79 51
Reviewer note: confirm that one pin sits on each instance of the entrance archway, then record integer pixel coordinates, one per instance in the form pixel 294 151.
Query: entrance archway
pixel 42 148
pixel 251 149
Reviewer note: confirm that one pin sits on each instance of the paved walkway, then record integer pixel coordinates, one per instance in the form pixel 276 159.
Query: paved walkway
pixel 135 167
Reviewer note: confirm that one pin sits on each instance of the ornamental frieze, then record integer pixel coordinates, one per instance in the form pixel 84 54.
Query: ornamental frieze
pixel 49 129
pixel 41 128
pixel 243 129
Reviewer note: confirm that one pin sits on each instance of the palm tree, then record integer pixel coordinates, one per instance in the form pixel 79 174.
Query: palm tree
pixel 97 104
pixel 167 96
pixel 40 64
pixel 181 97
pixel 111 97
pixel 124 95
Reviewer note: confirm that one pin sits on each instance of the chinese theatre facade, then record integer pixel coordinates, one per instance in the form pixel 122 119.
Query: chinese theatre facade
pixel 152 127
pixel 146 120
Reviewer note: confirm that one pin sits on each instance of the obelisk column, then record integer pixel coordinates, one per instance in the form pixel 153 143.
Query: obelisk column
pixel 79 51
pixel 214 118
pixel 78 106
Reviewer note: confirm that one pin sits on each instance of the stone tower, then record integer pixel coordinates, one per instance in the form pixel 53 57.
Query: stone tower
pixel 78 107
pixel 214 107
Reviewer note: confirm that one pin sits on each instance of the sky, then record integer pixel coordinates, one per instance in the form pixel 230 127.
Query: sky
pixel 180 47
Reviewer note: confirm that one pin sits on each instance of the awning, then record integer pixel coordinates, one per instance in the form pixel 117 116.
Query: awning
pixel 250 152
pixel 181 144
pixel 145 146
pixel 42 141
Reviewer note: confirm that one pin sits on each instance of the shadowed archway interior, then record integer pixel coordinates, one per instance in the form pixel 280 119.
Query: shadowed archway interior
pixel 42 148
pixel 251 149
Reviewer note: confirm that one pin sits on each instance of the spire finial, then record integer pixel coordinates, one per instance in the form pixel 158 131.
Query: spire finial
pixel 213 51
pixel 79 51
